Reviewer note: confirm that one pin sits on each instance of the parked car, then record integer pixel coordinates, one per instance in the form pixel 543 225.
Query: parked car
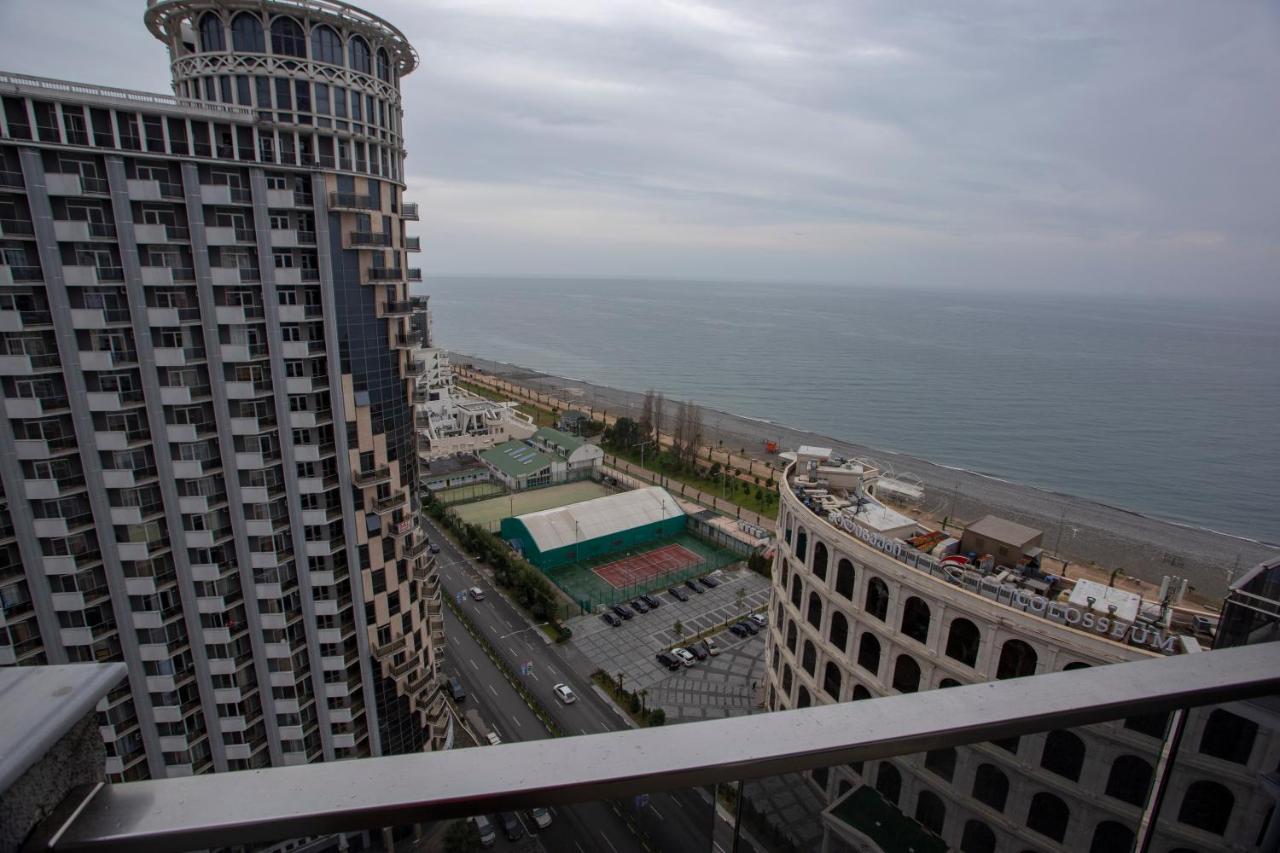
pixel 678 594
pixel 669 660
pixel 511 826
pixel 493 738
pixel 759 619
pixel 610 619
pixel 622 612
pixel 455 689
pixel 565 694
pixel 487 836
pixel 477 594
pixel 749 626
pixel 686 657
pixel 712 648
pixel 433 548
pixel 639 606
pixel 653 603
pixel 738 631
pixel 698 651
pixel 709 582
pixel 693 585
pixel 541 817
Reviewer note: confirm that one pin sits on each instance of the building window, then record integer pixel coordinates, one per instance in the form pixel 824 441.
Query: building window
pixel 1152 725
pixel 860 692
pixel 991 786
pixel 814 616
pixel 820 561
pixel 877 600
pixel 211 34
pixel 1207 805
pixel 915 620
pixel 1048 816
pixel 889 782
pixel 384 66
pixel 1111 837
pixel 963 641
pixel 977 838
pixel 839 635
pixel 831 681
pixel 930 812
pixel 1129 780
pixel 791 637
pixel 1017 659
pixel 802 544
pixel 287 38
pixel 360 55
pixel 803 699
pixel 844 579
pixel 1063 754
pixel 246 33
pixel 941 762
pixel 1228 736
pixel 869 653
pixel 906 675
pixel 786 679
pixel 797 590
pixel 326 45
pixel 809 658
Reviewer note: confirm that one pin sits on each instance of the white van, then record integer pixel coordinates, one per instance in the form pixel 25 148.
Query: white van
pixel 477 594
pixel 487 836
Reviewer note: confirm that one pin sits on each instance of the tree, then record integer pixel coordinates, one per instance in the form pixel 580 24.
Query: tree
pixel 462 836
pixel 659 419
pixel 678 630
pixel 657 717
pixel 646 415
pixel 742 597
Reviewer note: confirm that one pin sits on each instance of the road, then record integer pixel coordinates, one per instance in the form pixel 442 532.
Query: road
pixel 674 821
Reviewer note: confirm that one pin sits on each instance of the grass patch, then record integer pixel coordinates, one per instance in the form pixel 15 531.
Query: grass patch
pixel 632 703
pixel 541 417
pixel 762 499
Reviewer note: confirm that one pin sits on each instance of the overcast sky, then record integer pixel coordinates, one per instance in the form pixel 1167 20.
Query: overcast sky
pixel 1118 146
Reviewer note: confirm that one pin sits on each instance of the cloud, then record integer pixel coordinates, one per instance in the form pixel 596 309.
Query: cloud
pixel 1044 145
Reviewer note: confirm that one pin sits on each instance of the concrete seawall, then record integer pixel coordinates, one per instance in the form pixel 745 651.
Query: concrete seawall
pixel 1080 529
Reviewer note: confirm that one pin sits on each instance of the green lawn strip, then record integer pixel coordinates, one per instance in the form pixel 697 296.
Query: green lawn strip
pixel 761 500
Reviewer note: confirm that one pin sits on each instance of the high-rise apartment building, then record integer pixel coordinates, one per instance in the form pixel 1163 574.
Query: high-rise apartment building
pixel 207 444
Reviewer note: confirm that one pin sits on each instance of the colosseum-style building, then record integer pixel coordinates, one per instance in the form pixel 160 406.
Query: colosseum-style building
pixel 850 620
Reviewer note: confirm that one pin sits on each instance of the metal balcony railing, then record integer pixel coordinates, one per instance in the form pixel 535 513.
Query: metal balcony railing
pixel 352 201
pixel 369 238
pixel 290 802
pixel 385 274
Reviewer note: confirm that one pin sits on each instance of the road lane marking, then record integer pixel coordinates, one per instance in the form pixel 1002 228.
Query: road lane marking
pixel 491 690
pixel 515 719
pixel 610 843
pixel 473 665
pixel 655 811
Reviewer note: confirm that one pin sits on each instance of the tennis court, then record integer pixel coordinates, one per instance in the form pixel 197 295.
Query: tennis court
pixel 468 493
pixel 489 513
pixel 640 568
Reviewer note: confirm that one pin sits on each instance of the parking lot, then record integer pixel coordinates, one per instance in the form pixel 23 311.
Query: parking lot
pixel 630 648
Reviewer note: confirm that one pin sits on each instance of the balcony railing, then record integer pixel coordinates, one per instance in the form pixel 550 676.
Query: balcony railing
pixel 409 210
pixel 352 201
pixel 369 238
pixel 265 805
pixel 385 274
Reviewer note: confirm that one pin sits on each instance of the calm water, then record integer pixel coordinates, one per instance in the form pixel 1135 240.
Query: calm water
pixel 1170 408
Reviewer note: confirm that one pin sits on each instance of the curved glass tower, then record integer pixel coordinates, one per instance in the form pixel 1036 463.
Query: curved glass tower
pixel 206 360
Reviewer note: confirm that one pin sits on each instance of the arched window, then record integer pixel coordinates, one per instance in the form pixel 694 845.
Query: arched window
pixel 831 680
pixel 1129 780
pixel 869 653
pixel 815 611
pixel 977 838
pixel 1048 816
pixel 941 762
pixel 809 658
pixel 889 782
pixel 839 633
pixel 287 38
pixel 1075 664
pixel 860 692
pixel 820 561
pixel 1016 660
pixel 384 66
pixel 844 579
pixel 212 36
pixel 906 675
pixel 1207 805
pixel 791 637
pixel 786 679
pixel 1152 725
pixel 915 620
pixel 360 60
pixel 797 591
pixel 930 812
pixel 802 544
pixel 991 786
pixel 1111 837
pixel 963 641
pixel 803 699
pixel 877 602
pixel 246 33
pixel 326 45
pixel 947 682
pixel 1228 736
pixel 786 572
pixel 777 616
pixel 776 658
pixel 1063 754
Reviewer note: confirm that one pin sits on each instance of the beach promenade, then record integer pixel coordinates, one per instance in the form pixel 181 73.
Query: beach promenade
pixel 1082 530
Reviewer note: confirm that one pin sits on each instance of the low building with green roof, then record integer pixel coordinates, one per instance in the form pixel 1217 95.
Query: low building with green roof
pixel 581 457
pixel 520 466
pixel 864 820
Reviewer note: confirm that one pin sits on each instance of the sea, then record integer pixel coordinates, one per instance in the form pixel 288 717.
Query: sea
pixel 1169 407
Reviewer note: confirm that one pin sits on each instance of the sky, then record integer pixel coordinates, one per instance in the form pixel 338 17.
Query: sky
pixel 1108 147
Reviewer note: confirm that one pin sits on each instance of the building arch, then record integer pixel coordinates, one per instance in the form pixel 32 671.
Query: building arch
pixel 1228 736
pixel 791 637
pixel 1063 754
pixel 963 642
pixel 941 762
pixel 845 576
pixel 212 33
pixel 991 786
pixel 906 674
pixel 797 591
pixel 802 544
pixel 361 58
pixel 809 658
pixel 1111 837
pixel 246 33
pixel 1017 659
pixel 326 45
pixel 820 559
pixel 1049 816
pixel 977 838
pixel 832 680
pixel 869 653
pixel 803 698
pixel 915 620
pixel 876 602
pixel 287 38
pixel 931 813
pixel 838 634
pixel 814 614
pixel 1207 805
pixel 1130 779
pixel 384 66
pixel 786 679
pixel 860 692
pixel 889 782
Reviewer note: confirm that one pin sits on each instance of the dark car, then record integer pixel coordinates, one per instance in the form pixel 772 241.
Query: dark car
pixel 709 582
pixel 639 606
pixel 511 826
pixel 737 630
pixel 456 691
pixel 433 548
pixel 610 619
pixel 678 594
pixel 697 650
pixel 653 603
pixel 668 660
pixel 693 585
pixel 622 611
pixel 749 626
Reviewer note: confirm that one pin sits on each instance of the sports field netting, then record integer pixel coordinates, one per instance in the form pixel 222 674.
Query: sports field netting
pixel 618 577
pixel 489 513
pixel 468 493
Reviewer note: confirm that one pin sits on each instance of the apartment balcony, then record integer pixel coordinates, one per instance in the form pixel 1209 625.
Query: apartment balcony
pixel 229 235
pixel 142 189
pixel 107 359
pixel 113 401
pixel 25 320
pixel 414 274
pixel 157 234
pixel 234 276
pixel 231 315
pixel 91 276
pixel 413 244
pixel 372 477
pixel 352 201
pixel 164 276
pixel 243 390
pixel 289 275
pixel 190 469
pixel 397 309
pixel 224 194
pixel 237 353
pixel 17 228
pixel 178 356
pixel 26 365
pixel 385 274
pixel 286 198
pixel 372 239
pixel 409 210
pixel 389 503
pixel 78 231
pixel 11 275
pixel 59 184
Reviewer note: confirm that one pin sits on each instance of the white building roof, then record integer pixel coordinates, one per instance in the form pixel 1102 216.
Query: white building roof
pixel 565 525
pixel 879 518
pixel 1104 597
pixel 816 452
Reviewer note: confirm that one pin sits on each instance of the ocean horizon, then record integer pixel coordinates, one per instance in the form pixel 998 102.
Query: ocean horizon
pixel 1162 406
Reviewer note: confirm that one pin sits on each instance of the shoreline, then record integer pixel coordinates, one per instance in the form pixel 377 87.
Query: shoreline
pixel 1084 530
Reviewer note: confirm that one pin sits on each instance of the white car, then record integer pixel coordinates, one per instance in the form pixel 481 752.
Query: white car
pixel 565 694
pixel 493 738
pixel 477 594
pixel 540 816
pixel 712 648
pixel 759 619
pixel 686 656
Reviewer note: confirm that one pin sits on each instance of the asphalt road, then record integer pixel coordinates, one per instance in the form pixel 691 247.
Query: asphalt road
pixel 675 821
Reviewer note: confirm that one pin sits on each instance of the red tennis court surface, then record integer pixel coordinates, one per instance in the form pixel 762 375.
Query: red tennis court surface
pixel 641 568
